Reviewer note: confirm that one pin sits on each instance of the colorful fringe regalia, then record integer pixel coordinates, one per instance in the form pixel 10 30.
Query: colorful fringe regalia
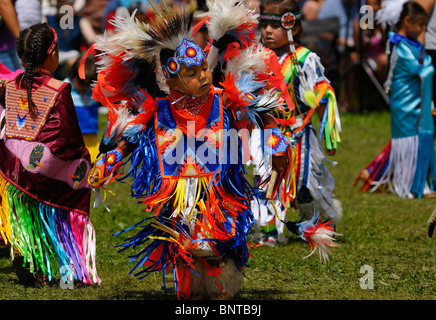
pixel 186 166
pixel 312 190
pixel 44 193
pixel 314 181
pixel 201 208
pixel 406 166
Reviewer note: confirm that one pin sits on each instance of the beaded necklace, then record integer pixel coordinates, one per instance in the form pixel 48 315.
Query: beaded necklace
pixel 190 105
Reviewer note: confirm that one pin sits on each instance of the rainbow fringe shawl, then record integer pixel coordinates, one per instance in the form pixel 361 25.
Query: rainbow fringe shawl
pixel 50 239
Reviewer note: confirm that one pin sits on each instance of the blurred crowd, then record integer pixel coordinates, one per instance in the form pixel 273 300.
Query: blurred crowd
pixel 342 32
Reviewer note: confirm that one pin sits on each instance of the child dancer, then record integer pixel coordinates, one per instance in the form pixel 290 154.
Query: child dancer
pixel 407 164
pixel 44 193
pixel 186 158
pixel 280 30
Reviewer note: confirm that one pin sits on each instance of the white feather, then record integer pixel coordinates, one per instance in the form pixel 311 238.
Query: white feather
pixel 323 239
pixel 390 11
pixel 130 33
pixel 270 100
pixel 226 15
pixel 124 117
pixel 250 59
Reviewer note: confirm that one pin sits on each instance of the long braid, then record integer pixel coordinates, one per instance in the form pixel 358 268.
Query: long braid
pixel 28 75
pixel 32 46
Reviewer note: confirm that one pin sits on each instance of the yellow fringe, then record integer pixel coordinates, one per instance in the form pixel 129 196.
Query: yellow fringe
pixel 180 200
pixel 5 225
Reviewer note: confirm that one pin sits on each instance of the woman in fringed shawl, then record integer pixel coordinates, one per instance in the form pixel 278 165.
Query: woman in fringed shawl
pixel 44 192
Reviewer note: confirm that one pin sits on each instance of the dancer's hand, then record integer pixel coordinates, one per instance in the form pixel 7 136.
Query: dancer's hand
pixel 328 152
pixel 280 162
pixel 331 152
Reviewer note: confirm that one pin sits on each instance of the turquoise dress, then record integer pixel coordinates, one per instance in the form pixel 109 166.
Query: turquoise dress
pixel 407 164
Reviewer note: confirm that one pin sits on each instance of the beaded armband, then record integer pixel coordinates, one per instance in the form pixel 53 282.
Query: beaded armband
pixel 275 141
pixel 107 167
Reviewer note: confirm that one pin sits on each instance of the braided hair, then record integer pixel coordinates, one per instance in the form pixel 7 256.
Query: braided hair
pixel 33 44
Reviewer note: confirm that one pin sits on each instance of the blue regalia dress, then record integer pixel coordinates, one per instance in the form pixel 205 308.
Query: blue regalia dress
pixel 407 164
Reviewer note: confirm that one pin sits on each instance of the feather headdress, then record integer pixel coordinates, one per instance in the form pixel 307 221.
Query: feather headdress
pixel 128 60
pixel 231 27
pixel 168 30
pixel 240 65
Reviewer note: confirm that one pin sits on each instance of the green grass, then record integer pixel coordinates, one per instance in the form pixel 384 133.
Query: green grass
pixel 378 230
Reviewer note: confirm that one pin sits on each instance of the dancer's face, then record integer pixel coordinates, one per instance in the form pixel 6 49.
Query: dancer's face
pixel 414 28
pixel 273 35
pixel 195 80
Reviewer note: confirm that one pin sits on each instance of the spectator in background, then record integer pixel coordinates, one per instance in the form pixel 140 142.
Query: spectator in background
pixel 118 7
pixel 370 43
pixel 310 9
pixel 346 11
pixel 28 12
pixel 91 23
pixel 9 31
pixel 70 39
pixel 86 107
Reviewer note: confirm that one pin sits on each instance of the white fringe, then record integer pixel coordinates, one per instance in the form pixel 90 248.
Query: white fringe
pixel 401 169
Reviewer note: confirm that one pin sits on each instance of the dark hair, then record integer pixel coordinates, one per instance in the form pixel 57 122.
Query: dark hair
pixel 90 71
pixel 32 46
pixel 410 9
pixel 281 7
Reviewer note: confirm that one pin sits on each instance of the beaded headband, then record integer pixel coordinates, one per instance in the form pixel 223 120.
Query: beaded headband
pixel 188 53
pixel 286 20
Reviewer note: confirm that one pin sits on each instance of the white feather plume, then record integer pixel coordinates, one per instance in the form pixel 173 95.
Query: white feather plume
pixel 319 235
pixel 226 15
pixel 269 101
pixel 250 59
pixel 322 240
pixel 390 11
pixel 129 35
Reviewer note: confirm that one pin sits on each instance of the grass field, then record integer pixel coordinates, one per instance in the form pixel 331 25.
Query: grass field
pixel 380 231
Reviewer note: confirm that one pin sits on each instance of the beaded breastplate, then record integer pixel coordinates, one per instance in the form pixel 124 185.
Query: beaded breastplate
pixel 20 123
pixel 188 155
